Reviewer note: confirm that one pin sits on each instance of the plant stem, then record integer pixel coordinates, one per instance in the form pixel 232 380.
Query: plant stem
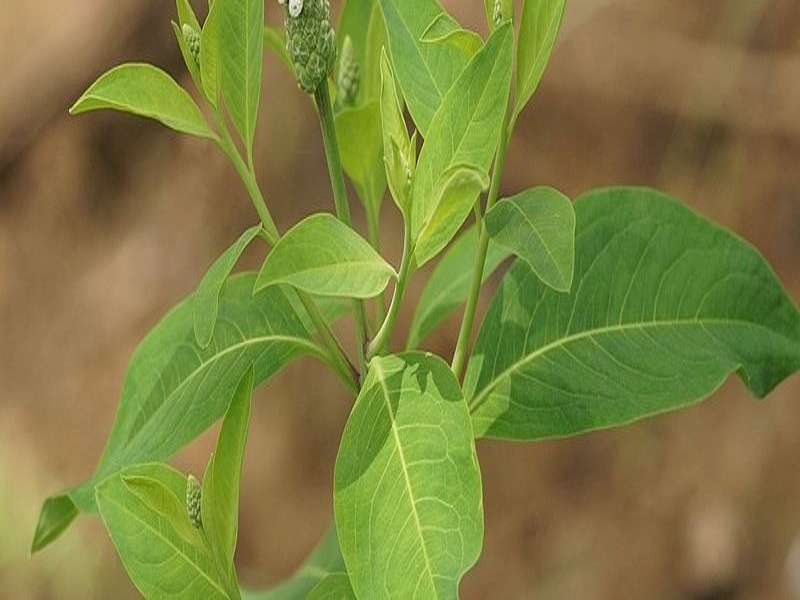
pixel 460 354
pixel 323 100
pixel 373 229
pixel 382 337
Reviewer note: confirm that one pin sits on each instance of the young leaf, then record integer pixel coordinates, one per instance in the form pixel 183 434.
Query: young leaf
pixel 538 29
pixel 206 299
pixel 399 154
pixel 241 50
pixel 323 256
pixel 174 389
pixel 465 130
pixel 147 91
pixel 325 560
pixel 210 59
pixel 275 40
pixel 220 504
pixel 186 15
pixel 335 586
pixel 57 514
pixel 359 132
pixel 448 287
pixel 407 490
pixel 186 53
pixel 663 308
pixel 376 42
pixel 454 198
pixel 445 30
pixel 163 555
pixel 538 225
pixel 425 71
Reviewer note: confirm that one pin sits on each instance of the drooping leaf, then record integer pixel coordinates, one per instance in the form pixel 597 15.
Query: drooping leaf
pixel 445 30
pixel 323 256
pixel 140 508
pixel 210 58
pixel 399 153
pixel 325 560
pixel 174 390
pixel 220 497
pixel 538 29
pixel 448 286
pixel 664 307
pixel 147 91
pixel 465 130
pixel 407 490
pixel 359 132
pixel 454 197
pixel 425 71
pixel 538 225
pixel 241 50
pixel 335 586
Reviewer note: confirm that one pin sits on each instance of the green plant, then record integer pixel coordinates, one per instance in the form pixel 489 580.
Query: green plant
pixel 623 305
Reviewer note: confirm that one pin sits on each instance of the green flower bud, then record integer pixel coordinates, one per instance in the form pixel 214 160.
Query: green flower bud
pixel 310 41
pixel 497 13
pixel 193 499
pixel 349 74
pixel 192 38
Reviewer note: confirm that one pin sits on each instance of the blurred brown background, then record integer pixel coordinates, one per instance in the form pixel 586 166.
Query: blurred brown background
pixel 108 220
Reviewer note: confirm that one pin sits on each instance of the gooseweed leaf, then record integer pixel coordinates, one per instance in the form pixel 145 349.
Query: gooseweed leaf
pixel 323 256
pixel 407 489
pixel 664 307
pixel 144 90
pixel 538 225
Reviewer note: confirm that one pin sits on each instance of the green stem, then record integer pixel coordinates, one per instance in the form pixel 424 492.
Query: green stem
pixel 381 338
pixel 323 100
pixel 460 354
pixel 373 230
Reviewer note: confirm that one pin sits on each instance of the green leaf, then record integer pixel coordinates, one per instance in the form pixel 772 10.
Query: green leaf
pixel 220 497
pixel 186 14
pixel 445 30
pixel 206 298
pixel 664 307
pixel 147 91
pixel 188 59
pixel 538 225
pixel 335 586
pixel 323 256
pixel 57 514
pixel 448 286
pixel 454 197
pixel 275 40
pixel 399 153
pixel 325 560
pixel 407 489
pixel 241 50
pixel 174 390
pixel 538 29
pixel 465 130
pixel 506 11
pixel 425 71
pixel 140 509
pixel 359 133
pixel 376 42
pixel 210 59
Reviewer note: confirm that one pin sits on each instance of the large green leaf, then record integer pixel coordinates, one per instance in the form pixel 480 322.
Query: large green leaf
pixel 335 586
pixel 241 49
pixel 174 389
pixel 663 308
pixel 323 256
pixel 465 130
pixel 147 91
pixel 220 496
pixel 144 511
pixel 538 29
pixel 448 287
pixel 407 489
pixel 206 298
pixel 325 560
pixel 425 71
pixel 538 225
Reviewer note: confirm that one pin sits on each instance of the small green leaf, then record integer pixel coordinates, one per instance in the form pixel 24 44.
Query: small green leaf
pixel 538 225
pixel 399 154
pixel 454 198
pixel 206 299
pixel 425 71
pixel 538 29
pixel 335 586
pixel 220 504
pixel 359 133
pixel 407 489
pixel 448 286
pixel 241 50
pixel 275 40
pixel 57 514
pixel 376 42
pixel 323 256
pixel 664 307
pixel 186 14
pixel 188 59
pixel 150 535
pixel 445 30
pixel 465 130
pixel 147 91
pixel 210 59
